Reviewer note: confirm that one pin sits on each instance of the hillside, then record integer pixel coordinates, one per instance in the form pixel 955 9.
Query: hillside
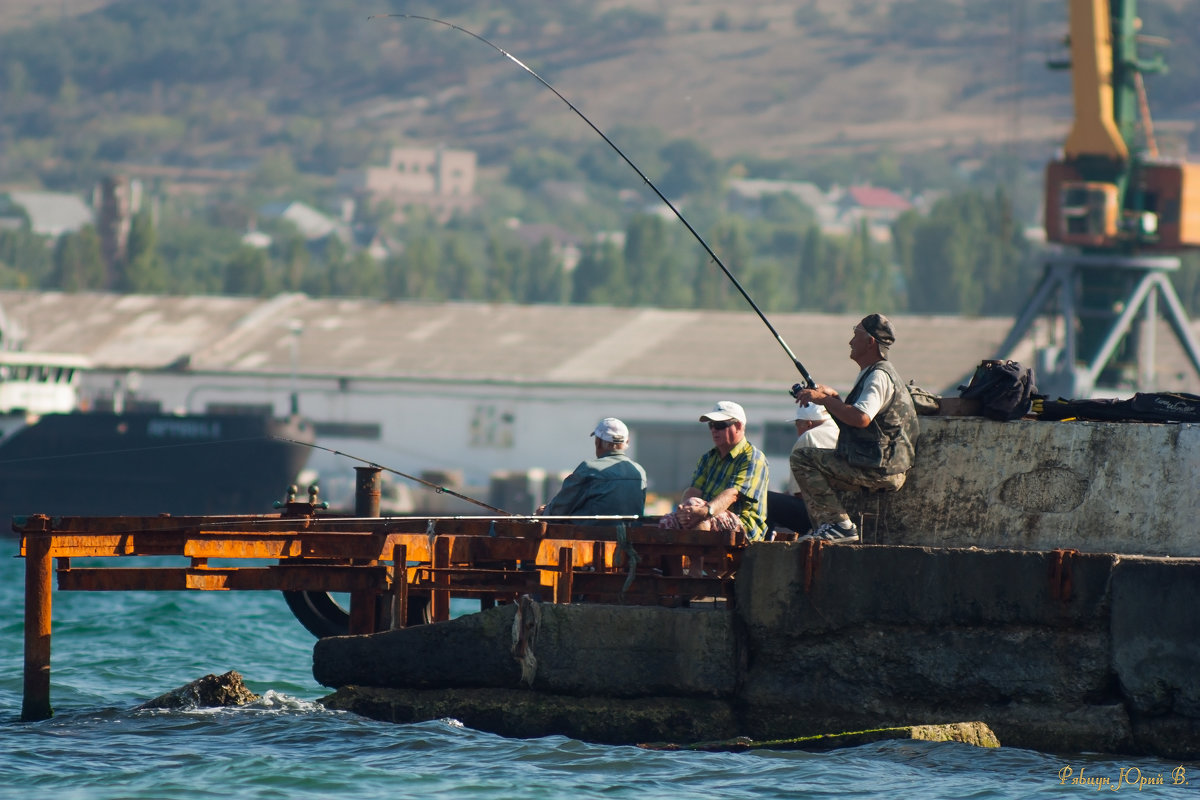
pixel 779 80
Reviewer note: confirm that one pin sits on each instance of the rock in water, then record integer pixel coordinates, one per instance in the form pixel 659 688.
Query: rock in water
pixel 211 691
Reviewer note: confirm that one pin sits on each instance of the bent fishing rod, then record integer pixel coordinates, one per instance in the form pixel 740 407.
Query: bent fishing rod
pixel 438 489
pixel 737 284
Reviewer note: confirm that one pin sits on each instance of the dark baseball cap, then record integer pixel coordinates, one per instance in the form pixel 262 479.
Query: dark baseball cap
pixel 881 330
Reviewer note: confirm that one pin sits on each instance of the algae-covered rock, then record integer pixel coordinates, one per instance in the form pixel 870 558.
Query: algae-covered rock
pixel 211 691
pixel 973 733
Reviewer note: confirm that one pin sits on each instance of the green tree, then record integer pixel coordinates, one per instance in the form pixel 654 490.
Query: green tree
pixel 812 278
pixel 25 258
pixel 546 283
pixel 713 288
pixel 361 276
pixel 596 277
pixel 647 254
pixel 529 169
pixel 78 261
pixel 246 272
pixel 143 270
pixel 463 275
pixel 690 168
pixel 640 144
pixel 412 274
pixel 295 260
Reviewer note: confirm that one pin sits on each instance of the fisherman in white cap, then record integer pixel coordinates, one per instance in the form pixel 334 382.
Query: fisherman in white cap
pixel 610 484
pixel 814 428
pixel 729 487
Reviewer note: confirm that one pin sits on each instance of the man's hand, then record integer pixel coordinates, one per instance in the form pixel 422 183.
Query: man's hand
pixel 819 395
pixel 691 512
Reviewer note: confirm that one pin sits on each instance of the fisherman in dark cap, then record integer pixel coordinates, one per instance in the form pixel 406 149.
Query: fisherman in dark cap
pixel 877 438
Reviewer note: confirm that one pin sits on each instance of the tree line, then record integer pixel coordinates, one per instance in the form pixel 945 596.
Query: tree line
pixel 966 256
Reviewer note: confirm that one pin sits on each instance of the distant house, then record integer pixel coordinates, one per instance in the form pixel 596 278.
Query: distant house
pixel 872 203
pixel 51 213
pixel 313 225
pixel 745 197
pixel 437 178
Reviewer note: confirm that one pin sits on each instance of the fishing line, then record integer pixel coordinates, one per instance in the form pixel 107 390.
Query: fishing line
pixel 796 361
pixel 437 488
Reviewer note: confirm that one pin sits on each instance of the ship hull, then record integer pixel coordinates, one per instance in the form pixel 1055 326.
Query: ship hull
pixel 108 464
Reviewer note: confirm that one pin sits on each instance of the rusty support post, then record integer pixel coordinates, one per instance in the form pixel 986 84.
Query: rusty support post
pixel 362 613
pixel 38 571
pixel 399 586
pixel 366 491
pixel 566 565
pixel 440 598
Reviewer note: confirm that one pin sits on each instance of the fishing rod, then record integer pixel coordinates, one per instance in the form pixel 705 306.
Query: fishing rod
pixel 737 284
pixel 438 489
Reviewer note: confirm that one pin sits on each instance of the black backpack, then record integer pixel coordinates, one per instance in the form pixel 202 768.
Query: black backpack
pixel 1004 389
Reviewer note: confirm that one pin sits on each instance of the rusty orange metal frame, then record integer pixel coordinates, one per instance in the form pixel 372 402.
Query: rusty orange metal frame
pixel 493 560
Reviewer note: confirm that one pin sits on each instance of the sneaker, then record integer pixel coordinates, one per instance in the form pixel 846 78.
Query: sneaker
pixel 834 533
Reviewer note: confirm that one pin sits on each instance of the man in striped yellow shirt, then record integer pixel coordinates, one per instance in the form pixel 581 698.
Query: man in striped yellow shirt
pixel 729 486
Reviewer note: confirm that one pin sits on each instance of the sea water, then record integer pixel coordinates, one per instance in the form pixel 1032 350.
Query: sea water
pixel 114 650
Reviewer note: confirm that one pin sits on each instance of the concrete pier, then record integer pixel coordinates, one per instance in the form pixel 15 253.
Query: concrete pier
pixel 1038 577
pixel 1054 651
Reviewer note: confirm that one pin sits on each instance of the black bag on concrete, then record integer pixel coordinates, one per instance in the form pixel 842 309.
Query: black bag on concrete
pixel 1142 407
pixel 1004 389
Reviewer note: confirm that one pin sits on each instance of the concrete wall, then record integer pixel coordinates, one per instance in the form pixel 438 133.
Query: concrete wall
pixel 1091 486
pixel 1056 652
pixel 1059 652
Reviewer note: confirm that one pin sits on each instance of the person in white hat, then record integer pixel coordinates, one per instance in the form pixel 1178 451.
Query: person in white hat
pixel 729 486
pixel 814 428
pixel 611 483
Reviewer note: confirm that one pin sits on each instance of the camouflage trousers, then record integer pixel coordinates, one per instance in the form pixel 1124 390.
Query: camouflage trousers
pixel 819 472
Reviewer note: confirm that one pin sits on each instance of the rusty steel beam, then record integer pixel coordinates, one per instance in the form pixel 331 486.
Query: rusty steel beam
pixel 38 567
pixel 285 578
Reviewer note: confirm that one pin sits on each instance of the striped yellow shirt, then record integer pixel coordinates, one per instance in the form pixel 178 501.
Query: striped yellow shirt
pixel 745 468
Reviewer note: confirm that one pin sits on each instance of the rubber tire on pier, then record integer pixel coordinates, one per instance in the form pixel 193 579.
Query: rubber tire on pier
pixel 323 616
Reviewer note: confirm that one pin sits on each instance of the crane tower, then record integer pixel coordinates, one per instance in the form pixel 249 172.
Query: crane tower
pixel 1121 214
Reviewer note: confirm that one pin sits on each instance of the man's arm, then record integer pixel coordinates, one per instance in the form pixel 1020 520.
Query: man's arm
pixel 827 396
pixel 568 497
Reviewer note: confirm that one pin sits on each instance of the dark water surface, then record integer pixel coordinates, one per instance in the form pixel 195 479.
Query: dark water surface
pixel 112 651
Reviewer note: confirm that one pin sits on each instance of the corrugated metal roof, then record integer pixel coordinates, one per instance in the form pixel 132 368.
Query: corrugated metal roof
pixel 578 345
pixel 53 213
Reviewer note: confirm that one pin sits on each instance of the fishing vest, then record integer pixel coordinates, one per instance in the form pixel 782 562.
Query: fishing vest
pixel 889 442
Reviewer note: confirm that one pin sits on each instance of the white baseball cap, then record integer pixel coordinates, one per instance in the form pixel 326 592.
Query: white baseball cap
pixel 811 412
pixel 726 409
pixel 611 429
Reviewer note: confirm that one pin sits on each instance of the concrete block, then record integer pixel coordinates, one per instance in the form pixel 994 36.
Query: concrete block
pixel 635 651
pixel 598 650
pixel 961 667
pixel 795 590
pixel 1092 486
pixel 1156 634
pixel 474 650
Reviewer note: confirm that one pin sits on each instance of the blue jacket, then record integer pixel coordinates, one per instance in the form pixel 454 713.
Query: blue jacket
pixel 610 484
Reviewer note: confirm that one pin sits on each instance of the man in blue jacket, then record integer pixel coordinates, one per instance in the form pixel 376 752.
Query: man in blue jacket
pixel 611 483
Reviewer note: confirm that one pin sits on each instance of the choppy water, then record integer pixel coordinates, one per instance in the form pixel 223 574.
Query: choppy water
pixel 112 651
